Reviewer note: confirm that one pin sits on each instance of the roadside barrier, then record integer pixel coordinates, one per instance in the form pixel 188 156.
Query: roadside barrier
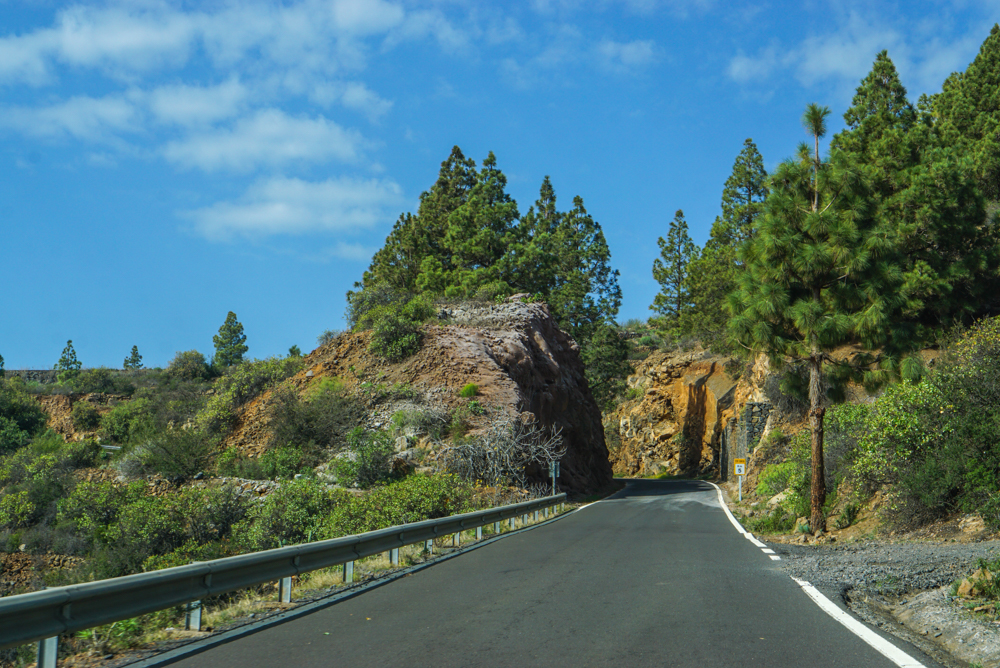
pixel 42 615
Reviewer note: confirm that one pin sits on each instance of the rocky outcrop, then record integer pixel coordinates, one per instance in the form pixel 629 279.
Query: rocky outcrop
pixel 675 423
pixel 515 353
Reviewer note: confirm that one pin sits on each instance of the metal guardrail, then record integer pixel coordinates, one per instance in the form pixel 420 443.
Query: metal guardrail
pixel 43 615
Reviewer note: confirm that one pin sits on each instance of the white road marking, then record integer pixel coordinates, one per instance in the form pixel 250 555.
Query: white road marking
pixel 767 550
pixel 884 647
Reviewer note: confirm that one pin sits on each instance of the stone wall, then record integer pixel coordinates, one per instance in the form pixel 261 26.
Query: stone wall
pixel 43 376
pixel 741 434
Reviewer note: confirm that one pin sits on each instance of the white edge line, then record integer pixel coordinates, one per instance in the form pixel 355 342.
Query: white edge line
pixel 884 647
pixel 725 508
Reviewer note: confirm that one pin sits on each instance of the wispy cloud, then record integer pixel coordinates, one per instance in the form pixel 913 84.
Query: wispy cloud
pixel 282 205
pixel 188 105
pixel 843 55
pixel 82 117
pixel 269 137
pixel 626 56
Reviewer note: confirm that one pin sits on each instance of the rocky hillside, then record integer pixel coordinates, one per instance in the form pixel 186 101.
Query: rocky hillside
pixel 522 363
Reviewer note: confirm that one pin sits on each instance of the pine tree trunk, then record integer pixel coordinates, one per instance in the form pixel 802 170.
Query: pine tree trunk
pixel 817 522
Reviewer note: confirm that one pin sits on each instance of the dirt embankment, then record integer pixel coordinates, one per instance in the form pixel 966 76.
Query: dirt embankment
pixel 515 353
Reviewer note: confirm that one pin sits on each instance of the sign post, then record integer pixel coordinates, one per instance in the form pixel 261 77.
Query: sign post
pixel 554 472
pixel 740 469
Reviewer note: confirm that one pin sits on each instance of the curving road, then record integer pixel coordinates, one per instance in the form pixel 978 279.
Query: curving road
pixel 654 576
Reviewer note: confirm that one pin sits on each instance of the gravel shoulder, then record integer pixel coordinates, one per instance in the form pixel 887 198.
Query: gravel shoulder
pixel 903 588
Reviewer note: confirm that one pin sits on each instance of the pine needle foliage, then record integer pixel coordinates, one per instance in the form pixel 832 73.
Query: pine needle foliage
pixel 671 271
pixel 819 274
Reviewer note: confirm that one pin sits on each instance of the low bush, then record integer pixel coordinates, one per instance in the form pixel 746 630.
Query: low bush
pixel 272 464
pixel 175 453
pixel 85 416
pixel 412 499
pixel 21 417
pixel 369 462
pixel 189 365
pixel 103 380
pixel 469 391
pixel 319 418
pixel 240 384
pixel 777 520
pixel 128 422
pixel 292 514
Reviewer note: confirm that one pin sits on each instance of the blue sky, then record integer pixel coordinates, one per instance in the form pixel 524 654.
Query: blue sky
pixel 163 163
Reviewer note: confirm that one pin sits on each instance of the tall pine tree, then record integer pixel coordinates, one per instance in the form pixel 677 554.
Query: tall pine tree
pixel 230 343
pixel 712 273
pixel 671 271
pixel 927 193
pixel 818 275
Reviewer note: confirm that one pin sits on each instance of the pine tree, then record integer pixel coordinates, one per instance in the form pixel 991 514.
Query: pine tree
pixel 967 114
pixel 2 371
pixel 134 361
pixel 818 275
pixel 294 351
pixel 670 271
pixel 68 365
pixel 712 273
pixel 230 343
pixel 927 193
pixel 606 364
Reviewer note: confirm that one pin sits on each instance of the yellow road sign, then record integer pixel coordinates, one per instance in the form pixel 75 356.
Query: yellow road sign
pixel 740 466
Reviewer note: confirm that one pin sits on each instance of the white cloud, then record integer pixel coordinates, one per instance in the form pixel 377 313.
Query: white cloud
pixel 367 18
pixel 268 137
pixel 353 95
pixel 186 105
pixel 844 55
pixel 626 55
pixel 82 117
pixel 292 206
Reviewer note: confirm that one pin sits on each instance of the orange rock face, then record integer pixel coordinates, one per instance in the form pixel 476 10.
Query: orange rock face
pixel 674 427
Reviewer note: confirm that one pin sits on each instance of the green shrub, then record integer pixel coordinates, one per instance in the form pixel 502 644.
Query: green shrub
pixel 361 303
pixel 272 464
pixel 240 384
pixel 21 416
pixel 319 418
pixel 412 499
pixel 774 478
pixel 175 453
pixel 292 514
pixel 103 380
pixel 370 461
pixel 94 507
pixel 128 421
pixel 469 391
pixel 848 515
pixel 189 365
pixel 777 520
pixel 16 510
pixel 85 416
pixel 395 326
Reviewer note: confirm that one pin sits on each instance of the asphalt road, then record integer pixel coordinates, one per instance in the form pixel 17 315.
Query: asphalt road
pixel 655 576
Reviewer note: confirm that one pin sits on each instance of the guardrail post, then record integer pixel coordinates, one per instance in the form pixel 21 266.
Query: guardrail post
pixel 545 513
pixel 285 590
pixel 512 522
pixel 348 572
pixel 562 507
pixel 479 533
pixel 456 539
pixel 394 556
pixel 192 616
pixel 429 546
pixel 536 515
pixel 48 652
pixel 496 527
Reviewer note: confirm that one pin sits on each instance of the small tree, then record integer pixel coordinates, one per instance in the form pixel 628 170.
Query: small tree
pixel 68 365
pixel 2 372
pixel 294 351
pixel 134 361
pixel 670 271
pixel 230 343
